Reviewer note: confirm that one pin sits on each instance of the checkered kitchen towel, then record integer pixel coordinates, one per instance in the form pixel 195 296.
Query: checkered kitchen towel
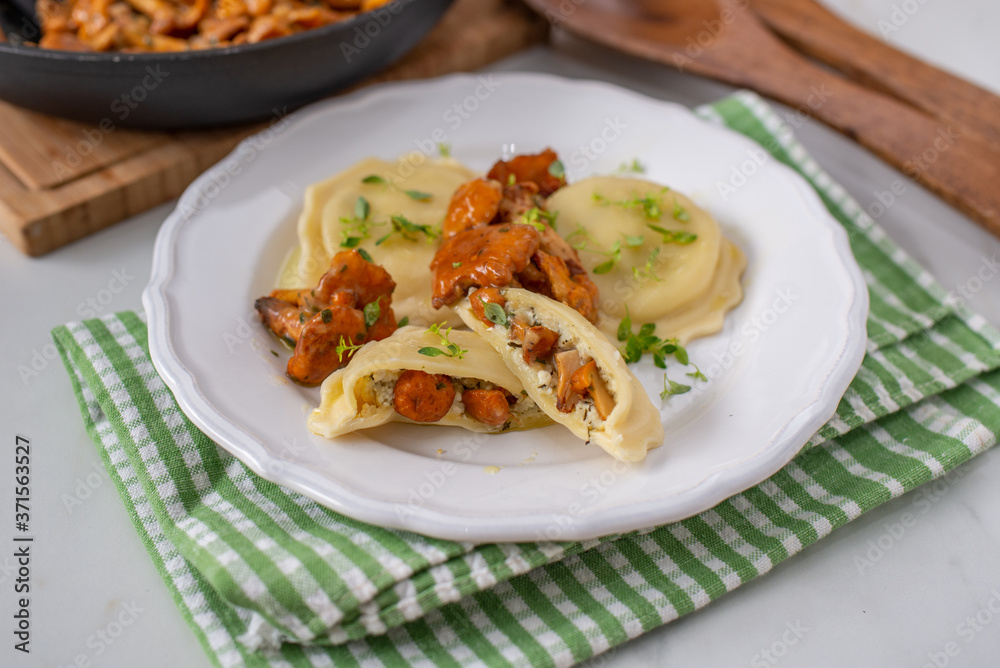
pixel 267 577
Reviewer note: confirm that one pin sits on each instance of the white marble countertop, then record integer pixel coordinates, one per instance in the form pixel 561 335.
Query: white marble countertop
pixel 914 602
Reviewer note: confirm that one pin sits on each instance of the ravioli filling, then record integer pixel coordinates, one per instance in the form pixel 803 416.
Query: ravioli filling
pixel 427 398
pixel 565 368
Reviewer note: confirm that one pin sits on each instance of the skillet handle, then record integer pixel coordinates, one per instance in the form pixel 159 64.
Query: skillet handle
pixel 814 30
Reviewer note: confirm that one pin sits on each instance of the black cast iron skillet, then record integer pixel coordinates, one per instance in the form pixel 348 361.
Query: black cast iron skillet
pixel 214 87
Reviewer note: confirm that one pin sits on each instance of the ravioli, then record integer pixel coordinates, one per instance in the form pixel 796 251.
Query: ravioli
pixel 321 229
pixel 684 288
pixel 361 395
pixel 625 427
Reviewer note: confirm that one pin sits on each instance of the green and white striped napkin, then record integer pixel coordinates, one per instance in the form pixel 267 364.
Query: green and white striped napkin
pixel 267 577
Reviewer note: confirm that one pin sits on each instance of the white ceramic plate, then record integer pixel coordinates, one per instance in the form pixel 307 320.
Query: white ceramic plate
pixel 778 368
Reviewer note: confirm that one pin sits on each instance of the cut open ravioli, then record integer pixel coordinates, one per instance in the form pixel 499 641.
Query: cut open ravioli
pixel 391 380
pixel 568 368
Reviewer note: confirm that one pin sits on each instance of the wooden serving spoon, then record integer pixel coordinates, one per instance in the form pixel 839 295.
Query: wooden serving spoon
pixel 724 40
pixel 818 32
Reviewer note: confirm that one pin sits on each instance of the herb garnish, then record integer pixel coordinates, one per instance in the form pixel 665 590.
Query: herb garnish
pixel 635 167
pixel 444 150
pixel 450 349
pixel 404 322
pixel 646 341
pixel 408 229
pixel 614 254
pixel 670 388
pixel 538 218
pixel 680 213
pixel 372 312
pixel 494 313
pixel 674 236
pixel 649 205
pixel 375 179
pixel 697 374
pixel 356 229
pixel 647 270
pixel 346 346
pixel 557 169
pixel 365 256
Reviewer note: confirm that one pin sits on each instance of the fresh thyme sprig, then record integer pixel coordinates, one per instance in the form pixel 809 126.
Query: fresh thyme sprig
pixel 346 347
pixel 614 254
pixel 408 230
pixel 651 206
pixel 680 213
pixel 358 228
pixel 681 237
pixel 636 344
pixel 634 167
pixel 646 271
pixel 375 179
pixel 538 218
pixel 670 388
pixel 450 349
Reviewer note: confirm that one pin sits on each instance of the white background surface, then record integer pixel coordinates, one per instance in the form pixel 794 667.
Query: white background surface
pixel 903 610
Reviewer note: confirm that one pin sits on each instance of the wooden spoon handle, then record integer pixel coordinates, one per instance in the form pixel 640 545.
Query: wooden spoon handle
pixel 951 162
pixel 816 31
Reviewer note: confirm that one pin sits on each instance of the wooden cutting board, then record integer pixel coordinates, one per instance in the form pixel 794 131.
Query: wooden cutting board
pixel 61 180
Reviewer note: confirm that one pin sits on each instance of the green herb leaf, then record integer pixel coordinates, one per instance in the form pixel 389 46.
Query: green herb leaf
pixel 649 205
pixel 646 341
pixel 346 347
pixel 350 242
pixel 431 351
pixel 275 353
pixel 362 209
pixel 671 388
pixel 538 218
pixel 604 267
pixel 697 374
pixel 456 265
pixel 444 150
pixel 680 213
pixel 557 169
pixel 364 254
pixel 302 317
pixel 374 178
pixel 646 271
pixel 372 312
pixel 327 315
pixel 494 313
pixel 634 241
pixel 418 195
pixel 408 230
pixel 681 354
pixel 634 166
pixel 625 326
pixel 674 236
pixel 451 349
pixel 404 322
